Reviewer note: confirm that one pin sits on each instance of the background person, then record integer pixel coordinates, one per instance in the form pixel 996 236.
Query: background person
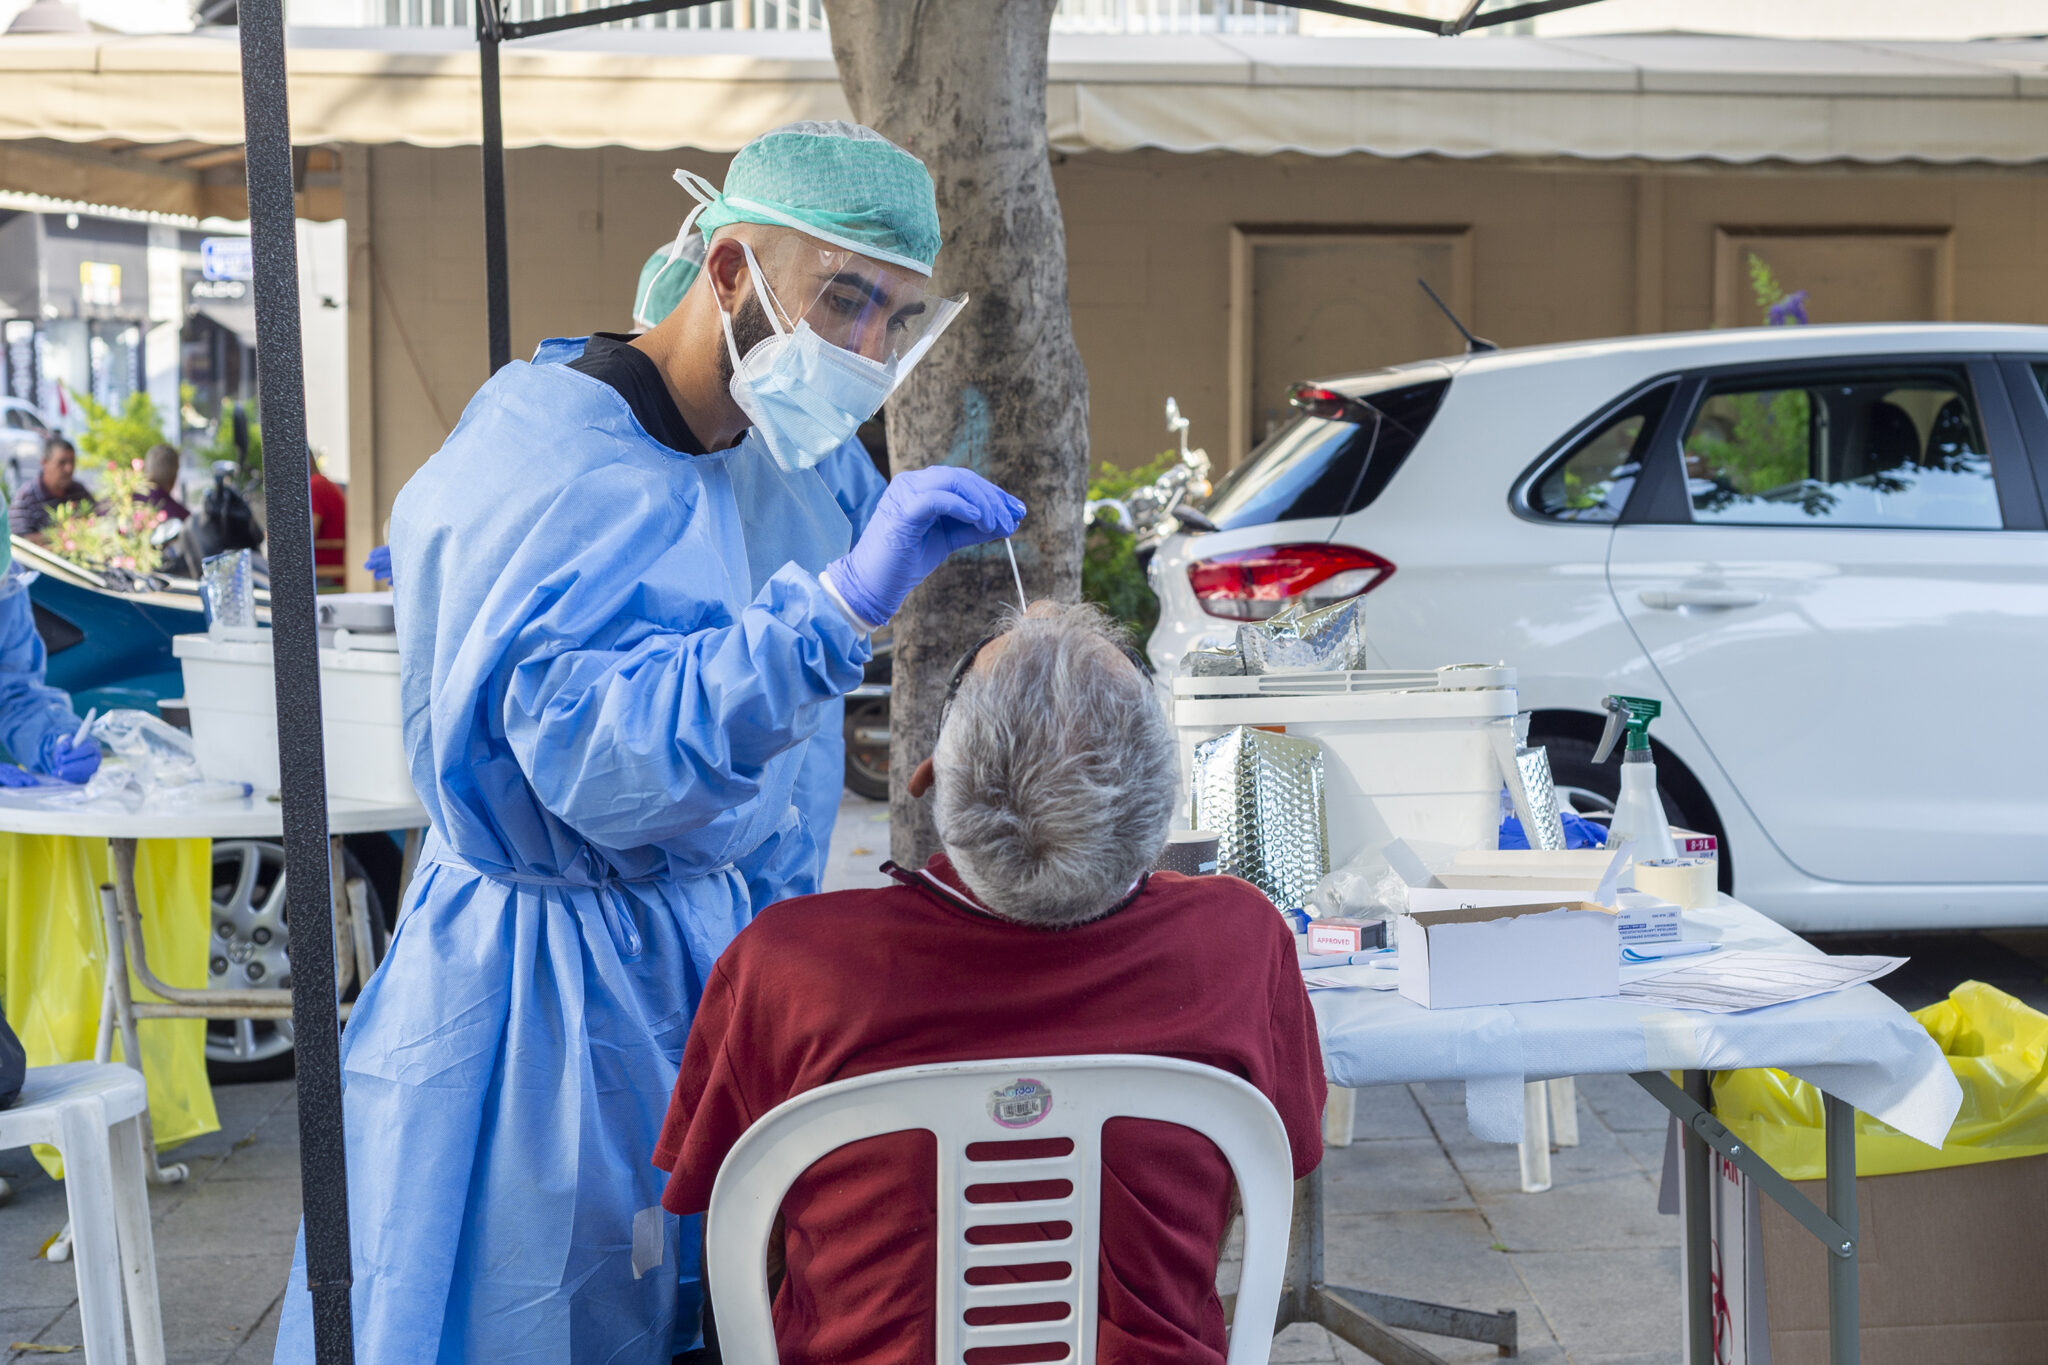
pixel 160 466
pixel 1037 932
pixel 624 594
pixel 53 488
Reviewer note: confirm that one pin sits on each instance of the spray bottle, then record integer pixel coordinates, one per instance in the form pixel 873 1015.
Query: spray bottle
pixel 1639 814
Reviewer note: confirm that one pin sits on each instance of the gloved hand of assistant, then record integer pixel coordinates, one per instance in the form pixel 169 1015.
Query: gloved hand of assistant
pixel 68 762
pixel 925 515
pixel 379 564
pixel 13 776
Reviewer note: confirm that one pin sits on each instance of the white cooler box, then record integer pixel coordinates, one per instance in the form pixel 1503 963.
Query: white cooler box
pixel 230 688
pixel 1407 755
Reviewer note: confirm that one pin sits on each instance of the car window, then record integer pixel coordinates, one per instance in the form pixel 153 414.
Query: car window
pixel 1316 466
pixel 1879 448
pixel 14 419
pixel 1592 479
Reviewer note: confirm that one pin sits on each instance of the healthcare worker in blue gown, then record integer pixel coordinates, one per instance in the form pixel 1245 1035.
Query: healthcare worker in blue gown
pixel 36 720
pixel 856 485
pixel 625 597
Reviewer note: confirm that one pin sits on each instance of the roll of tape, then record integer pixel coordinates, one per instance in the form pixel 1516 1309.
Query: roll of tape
pixel 1687 882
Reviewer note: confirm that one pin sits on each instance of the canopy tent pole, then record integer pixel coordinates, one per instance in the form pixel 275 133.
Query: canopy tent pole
pixel 497 270
pixel 273 233
pixel 492 29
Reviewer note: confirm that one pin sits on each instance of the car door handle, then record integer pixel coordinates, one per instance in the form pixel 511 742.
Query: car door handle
pixel 1709 599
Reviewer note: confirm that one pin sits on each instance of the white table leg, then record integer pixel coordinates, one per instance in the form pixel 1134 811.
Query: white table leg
pixel 1564 1112
pixel 1340 1114
pixel 1535 1137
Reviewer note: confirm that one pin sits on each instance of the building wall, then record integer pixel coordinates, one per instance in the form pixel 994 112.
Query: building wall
pixel 1170 254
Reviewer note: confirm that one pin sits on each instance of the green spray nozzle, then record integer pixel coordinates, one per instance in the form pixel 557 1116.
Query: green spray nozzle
pixel 1633 714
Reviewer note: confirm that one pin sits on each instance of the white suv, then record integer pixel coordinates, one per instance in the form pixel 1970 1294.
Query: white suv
pixel 1823 548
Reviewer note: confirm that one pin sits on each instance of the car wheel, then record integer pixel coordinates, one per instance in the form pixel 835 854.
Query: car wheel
pixel 867 747
pixel 248 949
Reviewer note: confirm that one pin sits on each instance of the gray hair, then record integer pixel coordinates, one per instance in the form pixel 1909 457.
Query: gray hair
pixel 1056 772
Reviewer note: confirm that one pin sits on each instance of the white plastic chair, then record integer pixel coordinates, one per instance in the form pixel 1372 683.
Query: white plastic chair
pixel 92 1112
pixel 1005 1101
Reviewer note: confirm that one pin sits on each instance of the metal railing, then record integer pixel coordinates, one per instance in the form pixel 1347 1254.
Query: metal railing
pixel 1073 16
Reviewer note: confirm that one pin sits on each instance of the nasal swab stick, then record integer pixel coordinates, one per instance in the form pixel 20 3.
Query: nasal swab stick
pixel 83 726
pixel 1022 604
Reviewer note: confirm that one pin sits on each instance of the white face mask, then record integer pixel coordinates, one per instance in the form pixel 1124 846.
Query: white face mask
pixel 805 395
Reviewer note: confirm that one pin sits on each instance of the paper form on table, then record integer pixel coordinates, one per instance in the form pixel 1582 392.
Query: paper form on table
pixel 1730 982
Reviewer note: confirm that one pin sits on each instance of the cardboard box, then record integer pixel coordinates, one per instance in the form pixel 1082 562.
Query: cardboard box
pixel 1950 1269
pixel 1508 877
pixel 1646 919
pixel 1346 935
pixel 1510 954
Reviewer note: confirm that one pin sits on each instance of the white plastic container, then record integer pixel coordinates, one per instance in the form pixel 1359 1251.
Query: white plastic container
pixel 1409 755
pixel 230 690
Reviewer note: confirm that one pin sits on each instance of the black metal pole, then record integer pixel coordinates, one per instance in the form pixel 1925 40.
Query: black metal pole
pixel 497 271
pixel 280 368
pixel 1697 1166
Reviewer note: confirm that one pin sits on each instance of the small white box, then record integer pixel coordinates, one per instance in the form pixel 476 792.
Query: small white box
pixel 1647 919
pixel 1510 954
pixel 1511 877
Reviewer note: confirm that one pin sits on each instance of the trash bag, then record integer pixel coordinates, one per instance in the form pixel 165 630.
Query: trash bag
pixel 1996 1045
pixel 53 960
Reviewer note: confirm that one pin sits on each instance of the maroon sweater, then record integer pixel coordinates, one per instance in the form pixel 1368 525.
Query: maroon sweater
pixel 825 987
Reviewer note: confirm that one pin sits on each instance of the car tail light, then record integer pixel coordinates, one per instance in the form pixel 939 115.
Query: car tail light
pixel 1251 585
pixel 1317 401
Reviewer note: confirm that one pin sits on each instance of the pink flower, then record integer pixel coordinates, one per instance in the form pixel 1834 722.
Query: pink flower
pixel 70 544
pixel 135 465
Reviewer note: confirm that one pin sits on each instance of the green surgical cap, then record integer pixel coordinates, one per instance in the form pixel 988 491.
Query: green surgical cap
pixel 662 285
pixel 839 182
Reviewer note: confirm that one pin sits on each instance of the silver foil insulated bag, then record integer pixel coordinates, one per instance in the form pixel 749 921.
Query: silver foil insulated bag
pixel 1262 793
pixel 1331 640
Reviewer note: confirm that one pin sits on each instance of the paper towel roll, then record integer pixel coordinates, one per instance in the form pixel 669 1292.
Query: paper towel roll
pixel 1687 882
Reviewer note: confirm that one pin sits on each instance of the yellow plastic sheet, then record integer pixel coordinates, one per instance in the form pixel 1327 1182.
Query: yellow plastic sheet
pixel 1998 1049
pixel 53 960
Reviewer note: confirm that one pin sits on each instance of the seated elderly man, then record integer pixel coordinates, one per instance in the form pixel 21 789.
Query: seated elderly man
pixel 1040 931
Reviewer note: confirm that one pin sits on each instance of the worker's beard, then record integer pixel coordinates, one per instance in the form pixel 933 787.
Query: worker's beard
pixel 749 329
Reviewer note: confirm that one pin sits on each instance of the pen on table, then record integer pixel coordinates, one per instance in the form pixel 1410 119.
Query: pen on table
pixel 1658 952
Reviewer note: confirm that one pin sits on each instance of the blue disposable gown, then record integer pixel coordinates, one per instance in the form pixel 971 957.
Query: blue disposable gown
pixel 854 482
pixel 607 730
pixel 29 708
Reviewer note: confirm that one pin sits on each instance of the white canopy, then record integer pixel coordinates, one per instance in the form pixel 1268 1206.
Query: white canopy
pixel 1667 97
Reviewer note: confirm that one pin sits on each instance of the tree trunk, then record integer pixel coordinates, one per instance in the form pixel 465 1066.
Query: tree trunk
pixel 961 83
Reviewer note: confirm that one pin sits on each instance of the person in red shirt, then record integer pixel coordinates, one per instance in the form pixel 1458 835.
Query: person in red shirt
pixel 330 528
pixel 1040 931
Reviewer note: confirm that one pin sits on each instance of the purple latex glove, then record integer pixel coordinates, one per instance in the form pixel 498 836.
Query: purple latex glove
pixel 379 564
pixel 925 515
pixel 12 776
pixel 68 762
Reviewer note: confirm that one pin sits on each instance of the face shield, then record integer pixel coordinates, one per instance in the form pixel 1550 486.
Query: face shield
pixel 882 312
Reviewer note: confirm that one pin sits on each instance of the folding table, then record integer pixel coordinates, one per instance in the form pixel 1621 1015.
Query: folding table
pixel 1856 1046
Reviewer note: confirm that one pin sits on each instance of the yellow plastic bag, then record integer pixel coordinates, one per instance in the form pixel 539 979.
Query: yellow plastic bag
pixel 1998 1049
pixel 53 963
